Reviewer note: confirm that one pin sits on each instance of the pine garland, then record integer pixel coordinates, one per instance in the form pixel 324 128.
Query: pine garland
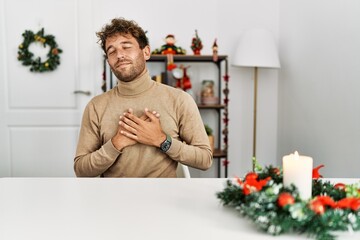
pixel 276 209
pixel 27 57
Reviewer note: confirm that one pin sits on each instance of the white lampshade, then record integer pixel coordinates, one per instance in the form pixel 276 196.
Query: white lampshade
pixel 257 48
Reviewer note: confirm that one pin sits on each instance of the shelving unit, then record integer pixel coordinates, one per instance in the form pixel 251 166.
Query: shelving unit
pixel 221 148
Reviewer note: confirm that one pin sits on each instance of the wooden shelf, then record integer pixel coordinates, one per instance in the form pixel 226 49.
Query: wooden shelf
pixel 218 153
pixel 211 106
pixel 220 108
pixel 186 58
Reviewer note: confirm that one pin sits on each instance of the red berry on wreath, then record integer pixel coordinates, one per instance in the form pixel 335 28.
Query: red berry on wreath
pixel 317 206
pixel 284 199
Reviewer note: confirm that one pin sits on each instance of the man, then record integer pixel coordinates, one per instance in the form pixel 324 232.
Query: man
pixel 140 128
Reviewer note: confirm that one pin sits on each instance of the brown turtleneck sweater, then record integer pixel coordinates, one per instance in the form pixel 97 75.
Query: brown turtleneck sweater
pixel 179 117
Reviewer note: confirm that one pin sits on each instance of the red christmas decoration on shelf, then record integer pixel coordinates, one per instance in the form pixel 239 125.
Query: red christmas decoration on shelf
pixel 196 44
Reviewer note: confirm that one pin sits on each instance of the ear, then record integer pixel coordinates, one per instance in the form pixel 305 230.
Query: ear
pixel 146 52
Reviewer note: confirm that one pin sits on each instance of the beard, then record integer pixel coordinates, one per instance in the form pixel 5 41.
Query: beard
pixel 131 71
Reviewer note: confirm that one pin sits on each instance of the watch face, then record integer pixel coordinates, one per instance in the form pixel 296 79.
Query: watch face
pixel 165 145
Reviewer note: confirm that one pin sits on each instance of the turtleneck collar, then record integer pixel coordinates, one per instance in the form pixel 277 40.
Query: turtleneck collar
pixel 136 86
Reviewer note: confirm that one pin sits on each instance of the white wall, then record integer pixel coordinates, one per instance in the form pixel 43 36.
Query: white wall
pixel 319 100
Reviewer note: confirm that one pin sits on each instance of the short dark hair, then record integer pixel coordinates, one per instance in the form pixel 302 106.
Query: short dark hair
pixel 122 26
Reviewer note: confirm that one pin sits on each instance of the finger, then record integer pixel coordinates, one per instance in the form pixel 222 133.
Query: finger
pixel 144 117
pixel 133 118
pixel 156 114
pixel 123 123
pixel 130 110
pixel 123 120
pixel 129 135
pixel 151 115
pixel 121 127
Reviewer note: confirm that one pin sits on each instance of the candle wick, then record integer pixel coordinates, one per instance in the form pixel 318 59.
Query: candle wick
pixel 296 155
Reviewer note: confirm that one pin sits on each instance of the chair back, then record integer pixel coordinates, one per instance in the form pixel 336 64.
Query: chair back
pixel 182 171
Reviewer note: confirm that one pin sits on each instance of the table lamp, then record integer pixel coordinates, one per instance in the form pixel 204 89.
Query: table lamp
pixel 257 49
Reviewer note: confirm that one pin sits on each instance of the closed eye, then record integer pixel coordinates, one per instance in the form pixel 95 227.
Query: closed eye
pixel 127 46
pixel 111 52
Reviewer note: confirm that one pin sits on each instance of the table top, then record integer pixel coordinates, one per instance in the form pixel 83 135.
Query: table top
pixel 126 208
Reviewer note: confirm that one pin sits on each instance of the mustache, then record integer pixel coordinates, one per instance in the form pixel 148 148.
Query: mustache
pixel 122 60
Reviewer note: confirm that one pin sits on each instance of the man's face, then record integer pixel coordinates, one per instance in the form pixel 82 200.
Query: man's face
pixel 127 61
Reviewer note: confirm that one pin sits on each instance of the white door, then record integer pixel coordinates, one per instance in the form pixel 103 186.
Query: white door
pixel 40 113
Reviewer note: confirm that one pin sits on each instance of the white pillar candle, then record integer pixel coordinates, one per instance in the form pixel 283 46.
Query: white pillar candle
pixel 297 170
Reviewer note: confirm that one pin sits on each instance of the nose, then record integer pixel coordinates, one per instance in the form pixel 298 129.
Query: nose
pixel 120 55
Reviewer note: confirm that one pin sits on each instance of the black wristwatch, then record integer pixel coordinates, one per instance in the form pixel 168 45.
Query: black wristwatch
pixel 165 145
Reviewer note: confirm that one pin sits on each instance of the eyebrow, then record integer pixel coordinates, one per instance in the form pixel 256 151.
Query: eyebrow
pixel 121 43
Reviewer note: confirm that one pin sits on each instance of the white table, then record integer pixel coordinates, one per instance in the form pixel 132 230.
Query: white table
pixel 106 209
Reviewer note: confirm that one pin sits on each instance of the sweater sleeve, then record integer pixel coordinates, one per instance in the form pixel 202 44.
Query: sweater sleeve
pixel 92 156
pixel 193 148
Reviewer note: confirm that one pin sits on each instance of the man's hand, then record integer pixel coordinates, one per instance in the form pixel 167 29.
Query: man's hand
pixel 121 140
pixel 146 130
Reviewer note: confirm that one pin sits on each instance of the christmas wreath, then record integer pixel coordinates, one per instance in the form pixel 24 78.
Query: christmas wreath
pixel 27 58
pixel 276 209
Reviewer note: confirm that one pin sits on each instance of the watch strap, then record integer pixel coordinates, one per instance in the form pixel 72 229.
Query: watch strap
pixel 166 144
